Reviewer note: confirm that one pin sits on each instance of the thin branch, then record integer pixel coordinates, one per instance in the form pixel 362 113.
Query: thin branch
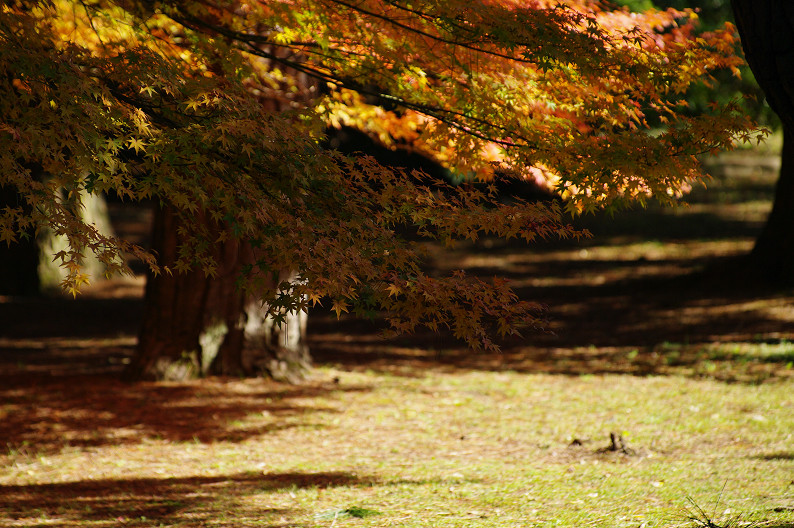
pixel 429 35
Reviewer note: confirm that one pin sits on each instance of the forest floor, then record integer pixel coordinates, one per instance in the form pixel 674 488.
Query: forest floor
pixel 653 338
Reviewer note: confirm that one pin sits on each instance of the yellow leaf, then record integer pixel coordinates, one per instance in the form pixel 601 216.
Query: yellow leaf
pixel 193 104
pixel 137 144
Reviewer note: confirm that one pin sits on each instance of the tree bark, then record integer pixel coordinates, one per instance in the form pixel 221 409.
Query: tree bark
pixel 766 28
pixel 195 324
pixel 168 343
pixel 280 351
pixel 774 247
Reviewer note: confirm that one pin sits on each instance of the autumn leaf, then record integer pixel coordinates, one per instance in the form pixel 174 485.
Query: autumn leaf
pixel 338 307
pixel 136 144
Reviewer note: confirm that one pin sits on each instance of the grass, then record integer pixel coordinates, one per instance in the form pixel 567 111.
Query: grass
pixel 432 449
pixel 700 518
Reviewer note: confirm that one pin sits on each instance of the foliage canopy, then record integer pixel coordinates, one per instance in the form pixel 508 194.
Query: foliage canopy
pixel 218 109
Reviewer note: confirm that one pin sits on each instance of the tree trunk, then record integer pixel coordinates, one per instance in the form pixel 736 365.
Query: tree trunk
pixel 774 248
pixel 280 351
pixel 766 28
pixel 19 260
pixel 195 324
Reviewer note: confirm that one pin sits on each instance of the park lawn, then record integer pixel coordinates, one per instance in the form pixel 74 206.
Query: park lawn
pixel 424 447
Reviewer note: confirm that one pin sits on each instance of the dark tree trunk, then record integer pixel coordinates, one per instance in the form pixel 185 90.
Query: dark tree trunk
pixel 766 27
pixel 168 344
pixel 18 261
pixel 767 31
pixel 774 248
pixel 195 324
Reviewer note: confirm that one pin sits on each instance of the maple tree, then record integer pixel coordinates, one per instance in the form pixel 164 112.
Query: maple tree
pixel 217 110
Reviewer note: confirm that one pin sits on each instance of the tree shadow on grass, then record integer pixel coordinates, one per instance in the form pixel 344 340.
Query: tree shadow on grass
pixel 631 323
pixel 60 385
pixel 48 413
pixel 52 317
pixel 190 500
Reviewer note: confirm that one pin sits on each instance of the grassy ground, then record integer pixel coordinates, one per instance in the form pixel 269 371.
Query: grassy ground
pixel 694 379
pixel 465 448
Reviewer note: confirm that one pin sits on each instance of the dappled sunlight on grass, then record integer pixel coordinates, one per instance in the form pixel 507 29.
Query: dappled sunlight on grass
pixel 719 360
pixel 450 449
pixel 597 265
